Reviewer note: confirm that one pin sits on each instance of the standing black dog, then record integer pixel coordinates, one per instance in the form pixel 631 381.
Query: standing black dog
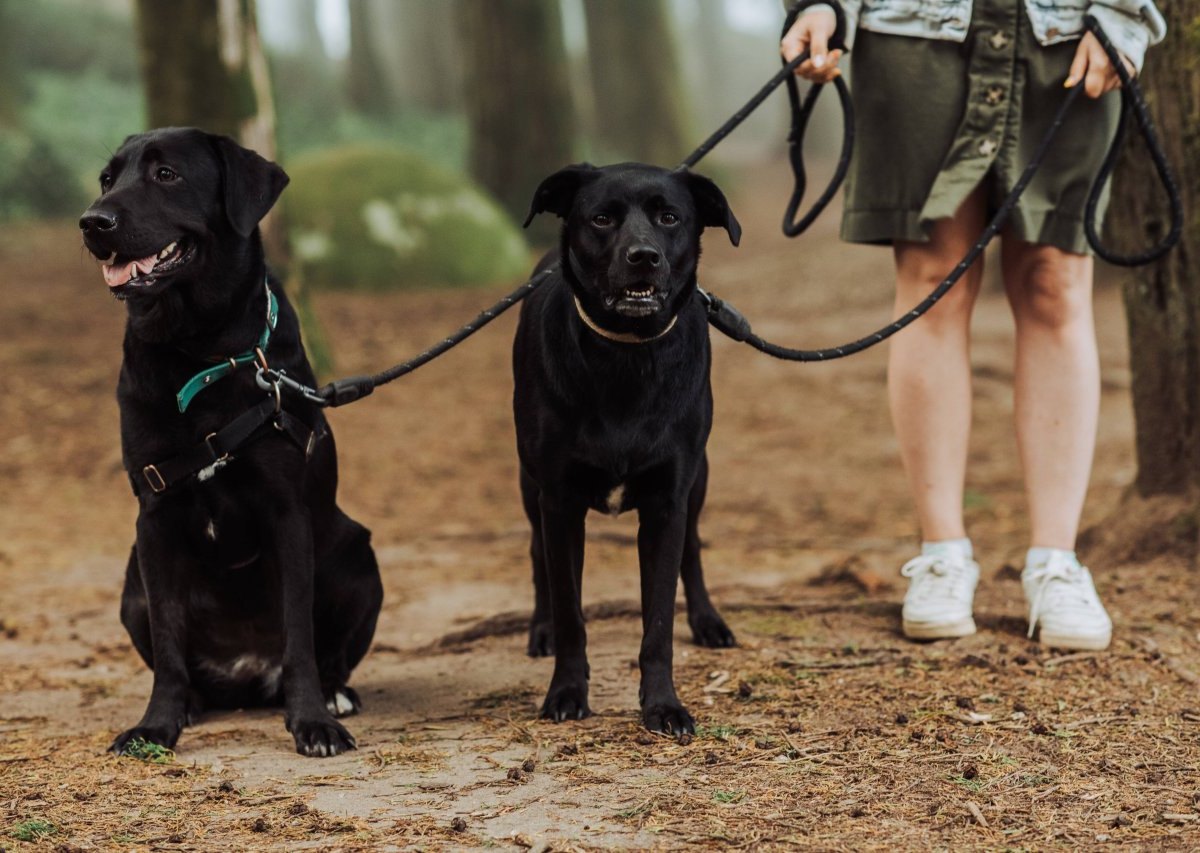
pixel 613 409
pixel 247 584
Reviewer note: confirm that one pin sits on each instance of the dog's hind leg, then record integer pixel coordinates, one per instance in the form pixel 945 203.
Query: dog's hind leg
pixel 708 628
pixel 346 608
pixel 541 627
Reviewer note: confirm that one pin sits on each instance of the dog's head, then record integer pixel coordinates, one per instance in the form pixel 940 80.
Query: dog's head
pixel 631 234
pixel 177 211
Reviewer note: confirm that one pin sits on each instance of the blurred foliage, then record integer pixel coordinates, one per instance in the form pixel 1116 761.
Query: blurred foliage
pixel 312 113
pixel 31 180
pixel 73 38
pixel 78 96
pixel 378 218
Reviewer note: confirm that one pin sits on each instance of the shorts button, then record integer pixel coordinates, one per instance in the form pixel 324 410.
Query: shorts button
pixel 988 147
pixel 994 95
pixel 999 40
pixel 1052 33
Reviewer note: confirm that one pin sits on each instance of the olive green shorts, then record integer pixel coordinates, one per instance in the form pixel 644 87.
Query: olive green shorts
pixel 935 118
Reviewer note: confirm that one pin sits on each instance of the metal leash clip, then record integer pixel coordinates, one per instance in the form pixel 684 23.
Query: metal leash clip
pixel 272 380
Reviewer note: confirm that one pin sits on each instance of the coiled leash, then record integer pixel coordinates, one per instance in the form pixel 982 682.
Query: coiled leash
pixel 730 322
pixel 728 319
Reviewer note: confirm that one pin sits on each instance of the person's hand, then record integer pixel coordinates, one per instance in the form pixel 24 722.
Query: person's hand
pixel 1092 65
pixel 812 31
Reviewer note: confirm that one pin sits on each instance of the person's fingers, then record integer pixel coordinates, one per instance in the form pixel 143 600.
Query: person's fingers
pixel 1078 66
pixel 1099 70
pixel 831 70
pixel 795 41
pixel 820 48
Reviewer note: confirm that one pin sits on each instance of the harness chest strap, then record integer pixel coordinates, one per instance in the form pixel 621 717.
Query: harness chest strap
pixel 218 447
pixel 210 375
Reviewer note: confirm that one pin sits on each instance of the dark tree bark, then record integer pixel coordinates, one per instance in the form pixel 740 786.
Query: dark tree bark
pixel 641 111
pixel 1163 300
pixel 366 84
pixel 517 97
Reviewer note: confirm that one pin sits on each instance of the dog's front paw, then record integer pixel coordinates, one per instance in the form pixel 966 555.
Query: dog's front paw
pixel 132 741
pixel 669 718
pixel 541 638
pixel 322 738
pixel 343 701
pixel 568 701
pixel 709 630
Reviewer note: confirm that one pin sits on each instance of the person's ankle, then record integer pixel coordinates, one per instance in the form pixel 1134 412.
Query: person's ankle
pixel 957 547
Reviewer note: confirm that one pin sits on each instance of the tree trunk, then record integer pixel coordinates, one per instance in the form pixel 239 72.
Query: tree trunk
pixel 517 96
pixel 638 94
pixel 366 85
pixel 418 48
pixel 1163 300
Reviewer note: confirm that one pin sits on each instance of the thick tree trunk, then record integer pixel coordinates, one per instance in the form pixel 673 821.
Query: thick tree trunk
pixel 517 97
pixel 418 48
pixel 366 84
pixel 641 111
pixel 1163 300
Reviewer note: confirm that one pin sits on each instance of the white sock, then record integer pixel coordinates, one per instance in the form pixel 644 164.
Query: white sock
pixel 1041 556
pixel 948 548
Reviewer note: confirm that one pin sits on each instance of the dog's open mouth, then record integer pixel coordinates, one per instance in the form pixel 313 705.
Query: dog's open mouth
pixel 123 274
pixel 636 300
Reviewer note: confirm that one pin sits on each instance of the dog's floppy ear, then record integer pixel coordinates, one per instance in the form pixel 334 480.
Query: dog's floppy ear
pixel 251 184
pixel 556 193
pixel 713 207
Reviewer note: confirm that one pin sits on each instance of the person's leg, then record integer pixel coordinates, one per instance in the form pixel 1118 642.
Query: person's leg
pixel 929 369
pixel 929 388
pixel 1057 405
pixel 1056 384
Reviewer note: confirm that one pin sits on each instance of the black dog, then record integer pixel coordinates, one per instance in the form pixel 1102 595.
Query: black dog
pixel 613 409
pixel 247 584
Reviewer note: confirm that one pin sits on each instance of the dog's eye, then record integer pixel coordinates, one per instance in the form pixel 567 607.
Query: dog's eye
pixel 106 182
pixel 165 174
pixel 668 218
pixel 602 220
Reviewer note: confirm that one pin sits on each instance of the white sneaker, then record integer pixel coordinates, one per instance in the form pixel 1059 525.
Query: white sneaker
pixel 1063 603
pixel 940 595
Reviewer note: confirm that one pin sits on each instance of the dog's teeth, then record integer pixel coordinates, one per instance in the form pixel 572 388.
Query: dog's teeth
pixel 134 274
pixel 166 252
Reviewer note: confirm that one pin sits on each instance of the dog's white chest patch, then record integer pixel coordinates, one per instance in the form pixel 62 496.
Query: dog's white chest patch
pixel 210 531
pixel 615 498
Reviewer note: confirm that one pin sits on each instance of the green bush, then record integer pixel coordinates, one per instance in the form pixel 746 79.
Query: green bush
pixel 381 218
pixel 35 182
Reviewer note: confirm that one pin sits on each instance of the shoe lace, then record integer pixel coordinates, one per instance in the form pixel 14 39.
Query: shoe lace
pixel 1060 583
pixel 933 575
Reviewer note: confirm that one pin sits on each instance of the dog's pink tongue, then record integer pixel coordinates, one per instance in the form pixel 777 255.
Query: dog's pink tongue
pixel 115 276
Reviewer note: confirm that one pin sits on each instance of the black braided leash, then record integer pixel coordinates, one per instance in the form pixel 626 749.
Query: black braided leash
pixel 730 322
pixel 727 319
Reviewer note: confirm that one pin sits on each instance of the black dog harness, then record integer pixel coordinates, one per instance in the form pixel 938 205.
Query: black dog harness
pixel 211 455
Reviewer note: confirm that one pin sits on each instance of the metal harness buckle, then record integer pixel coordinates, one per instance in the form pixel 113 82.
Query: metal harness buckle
pixel 151 474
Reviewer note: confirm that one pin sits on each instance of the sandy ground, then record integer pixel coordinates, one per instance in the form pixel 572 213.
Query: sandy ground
pixel 824 727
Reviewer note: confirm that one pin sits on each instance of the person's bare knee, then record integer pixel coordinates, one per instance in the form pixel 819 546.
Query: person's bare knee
pixel 1047 286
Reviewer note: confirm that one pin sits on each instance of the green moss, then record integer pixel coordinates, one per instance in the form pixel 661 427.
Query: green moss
pixel 151 753
pixel 379 218
pixel 33 830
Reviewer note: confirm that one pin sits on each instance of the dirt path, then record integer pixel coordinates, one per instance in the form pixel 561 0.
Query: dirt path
pixel 824 727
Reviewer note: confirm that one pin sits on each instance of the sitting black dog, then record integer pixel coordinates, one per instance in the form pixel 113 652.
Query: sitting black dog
pixel 247 584
pixel 613 409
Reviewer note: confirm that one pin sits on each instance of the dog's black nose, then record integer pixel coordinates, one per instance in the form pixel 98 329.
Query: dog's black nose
pixel 97 220
pixel 637 255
